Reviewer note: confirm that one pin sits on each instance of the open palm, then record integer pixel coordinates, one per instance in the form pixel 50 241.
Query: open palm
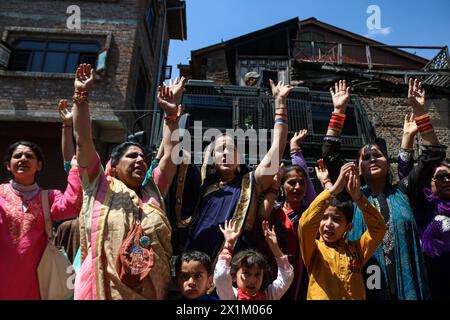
pixel 84 78
pixel 281 90
pixel 298 138
pixel 409 126
pixel 64 112
pixel 167 100
pixel 229 231
pixel 416 94
pixel 177 88
pixel 340 96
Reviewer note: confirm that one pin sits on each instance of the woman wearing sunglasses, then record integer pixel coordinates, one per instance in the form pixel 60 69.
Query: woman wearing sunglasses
pixel 432 212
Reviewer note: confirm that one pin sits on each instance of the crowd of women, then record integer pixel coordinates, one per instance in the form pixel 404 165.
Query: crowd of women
pixel 222 230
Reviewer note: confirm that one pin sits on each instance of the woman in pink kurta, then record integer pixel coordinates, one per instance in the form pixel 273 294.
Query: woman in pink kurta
pixel 22 227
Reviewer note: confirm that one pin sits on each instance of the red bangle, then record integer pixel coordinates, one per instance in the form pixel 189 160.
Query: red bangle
pixel 281 114
pixel 336 124
pixel 226 251
pixel 171 119
pixel 229 248
pixel 340 116
pixel 66 126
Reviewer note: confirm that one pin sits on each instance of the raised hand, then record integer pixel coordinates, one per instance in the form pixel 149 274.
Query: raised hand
pixel 298 138
pixel 168 101
pixel 177 88
pixel 416 97
pixel 230 234
pixel 409 126
pixel 342 180
pixel 269 234
pixel 281 90
pixel 340 96
pixel 64 112
pixel 322 172
pixel 271 239
pixel 84 78
pixel 353 185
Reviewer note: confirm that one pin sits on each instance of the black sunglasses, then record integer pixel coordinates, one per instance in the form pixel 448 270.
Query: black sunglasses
pixel 442 176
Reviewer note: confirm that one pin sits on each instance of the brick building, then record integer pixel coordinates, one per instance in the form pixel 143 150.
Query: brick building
pixel 314 54
pixel 41 48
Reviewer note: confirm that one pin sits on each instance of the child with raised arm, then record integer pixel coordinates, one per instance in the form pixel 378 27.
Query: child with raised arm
pixel 334 264
pixel 249 269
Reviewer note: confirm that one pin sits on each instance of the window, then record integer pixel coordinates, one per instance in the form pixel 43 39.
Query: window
pixel 5 53
pixel 272 68
pixel 150 17
pixel 53 56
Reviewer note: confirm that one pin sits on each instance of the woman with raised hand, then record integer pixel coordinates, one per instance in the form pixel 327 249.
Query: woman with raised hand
pixel 431 209
pixel 398 262
pixel 405 159
pixel 68 232
pixel 297 193
pixel 125 234
pixel 23 237
pixel 230 191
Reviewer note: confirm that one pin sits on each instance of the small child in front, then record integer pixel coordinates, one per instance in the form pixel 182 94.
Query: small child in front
pixel 194 275
pixel 250 270
pixel 334 264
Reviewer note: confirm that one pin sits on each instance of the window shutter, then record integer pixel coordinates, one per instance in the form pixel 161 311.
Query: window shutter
pixel 5 54
pixel 101 62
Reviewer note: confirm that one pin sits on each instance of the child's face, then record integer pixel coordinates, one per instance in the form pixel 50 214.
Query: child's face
pixel 333 225
pixel 193 279
pixel 249 279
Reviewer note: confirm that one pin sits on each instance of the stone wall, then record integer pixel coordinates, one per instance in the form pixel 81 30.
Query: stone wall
pixel 387 115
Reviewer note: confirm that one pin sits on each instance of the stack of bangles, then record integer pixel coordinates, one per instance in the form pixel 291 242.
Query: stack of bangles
pixel 227 250
pixel 80 97
pixel 336 122
pixel 171 119
pixel 424 124
pixel 281 118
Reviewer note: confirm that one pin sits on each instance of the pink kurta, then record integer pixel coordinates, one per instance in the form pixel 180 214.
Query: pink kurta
pixel 23 238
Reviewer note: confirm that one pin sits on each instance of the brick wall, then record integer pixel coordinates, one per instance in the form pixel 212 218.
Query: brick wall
pixel 118 25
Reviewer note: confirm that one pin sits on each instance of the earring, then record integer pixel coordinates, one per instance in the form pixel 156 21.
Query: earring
pixel 344 236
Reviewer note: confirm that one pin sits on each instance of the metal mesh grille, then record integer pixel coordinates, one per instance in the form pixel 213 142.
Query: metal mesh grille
pixel 236 107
